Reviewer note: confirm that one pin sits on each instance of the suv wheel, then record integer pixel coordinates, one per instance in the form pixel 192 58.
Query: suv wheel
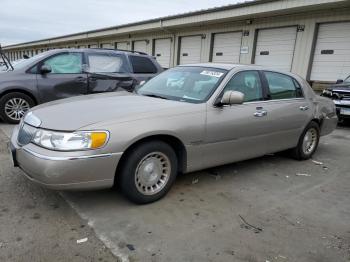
pixel 13 106
pixel 148 172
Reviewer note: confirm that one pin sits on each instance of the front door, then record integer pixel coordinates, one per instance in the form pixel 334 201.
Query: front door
pixel 237 132
pixel 66 78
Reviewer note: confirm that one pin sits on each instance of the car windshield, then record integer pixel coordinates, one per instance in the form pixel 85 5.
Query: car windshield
pixel 188 84
pixel 347 80
pixel 22 63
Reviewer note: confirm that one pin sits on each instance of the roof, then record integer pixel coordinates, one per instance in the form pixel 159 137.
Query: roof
pixel 214 65
pixel 244 66
pixel 198 12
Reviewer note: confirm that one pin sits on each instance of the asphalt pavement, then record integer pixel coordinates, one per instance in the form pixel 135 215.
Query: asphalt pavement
pixel 271 208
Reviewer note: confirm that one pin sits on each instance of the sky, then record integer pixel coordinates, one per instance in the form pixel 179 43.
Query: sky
pixel 28 20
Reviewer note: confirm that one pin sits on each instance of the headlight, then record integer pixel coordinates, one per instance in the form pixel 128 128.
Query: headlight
pixel 327 92
pixel 63 141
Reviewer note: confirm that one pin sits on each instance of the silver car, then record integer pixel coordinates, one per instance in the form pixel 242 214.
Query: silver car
pixel 188 118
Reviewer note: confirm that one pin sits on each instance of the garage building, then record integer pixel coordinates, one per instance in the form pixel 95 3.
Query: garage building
pixel 307 37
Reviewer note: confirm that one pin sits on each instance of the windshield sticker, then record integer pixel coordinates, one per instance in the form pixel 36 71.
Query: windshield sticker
pixel 212 73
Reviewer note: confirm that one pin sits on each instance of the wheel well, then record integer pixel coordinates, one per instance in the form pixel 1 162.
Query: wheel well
pixel 317 121
pixel 174 142
pixel 20 91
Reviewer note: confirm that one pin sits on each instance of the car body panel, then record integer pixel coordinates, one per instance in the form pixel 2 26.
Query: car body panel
pixel 48 87
pixel 211 135
pixel 58 86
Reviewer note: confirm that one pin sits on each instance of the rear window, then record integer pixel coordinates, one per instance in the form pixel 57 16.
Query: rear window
pixel 107 63
pixel 142 65
pixel 282 86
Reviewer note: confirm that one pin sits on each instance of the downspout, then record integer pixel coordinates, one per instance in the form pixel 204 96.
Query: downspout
pixel 173 38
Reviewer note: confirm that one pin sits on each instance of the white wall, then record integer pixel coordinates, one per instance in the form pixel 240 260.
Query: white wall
pixel 303 45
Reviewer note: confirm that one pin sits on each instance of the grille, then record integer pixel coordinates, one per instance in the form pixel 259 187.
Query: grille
pixel 26 134
pixel 346 96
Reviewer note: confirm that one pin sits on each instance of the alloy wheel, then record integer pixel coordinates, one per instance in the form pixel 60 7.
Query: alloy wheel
pixel 16 107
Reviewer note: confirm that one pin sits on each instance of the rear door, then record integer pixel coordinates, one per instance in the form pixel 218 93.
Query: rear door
pixel 287 110
pixel 102 66
pixel 66 78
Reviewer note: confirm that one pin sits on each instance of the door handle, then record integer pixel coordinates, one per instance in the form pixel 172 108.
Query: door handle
pixel 80 79
pixel 303 108
pixel 260 113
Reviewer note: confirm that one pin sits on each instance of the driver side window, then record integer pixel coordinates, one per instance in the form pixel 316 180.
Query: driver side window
pixel 67 63
pixel 248 83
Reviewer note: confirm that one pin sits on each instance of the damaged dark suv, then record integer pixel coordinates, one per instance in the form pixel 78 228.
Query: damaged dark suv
pixel 340 93
pixel 64 73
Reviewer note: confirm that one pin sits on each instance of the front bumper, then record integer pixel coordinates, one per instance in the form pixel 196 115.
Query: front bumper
pixel 343 108
pixel 65 170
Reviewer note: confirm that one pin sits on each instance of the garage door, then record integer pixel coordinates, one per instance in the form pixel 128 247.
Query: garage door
pixel 275 47
pixel 121 45
pixel 190 49
pixel 106 45
pixel 227 47
pixel 162 51
pixel 332 52
pixel 93 46
pixel 140 46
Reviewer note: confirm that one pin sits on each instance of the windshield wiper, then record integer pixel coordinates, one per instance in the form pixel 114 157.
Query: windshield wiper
pixel 156 96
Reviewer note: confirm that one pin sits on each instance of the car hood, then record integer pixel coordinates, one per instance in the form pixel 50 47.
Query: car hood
pixel 78 112
pixel 345 87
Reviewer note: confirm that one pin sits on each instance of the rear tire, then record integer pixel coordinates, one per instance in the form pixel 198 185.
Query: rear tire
pixel 14 105
pixel 308 142
pixel 148 172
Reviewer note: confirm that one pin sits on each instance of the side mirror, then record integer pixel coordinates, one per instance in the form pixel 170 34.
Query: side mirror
pixel 45 69
pixel 339 81
pixel 232 98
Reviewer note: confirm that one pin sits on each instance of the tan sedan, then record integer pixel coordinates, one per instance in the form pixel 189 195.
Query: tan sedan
pixel 188 118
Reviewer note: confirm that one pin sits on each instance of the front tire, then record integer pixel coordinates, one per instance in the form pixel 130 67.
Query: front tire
pixel 148 172
pixel 14 105
pixel 308 142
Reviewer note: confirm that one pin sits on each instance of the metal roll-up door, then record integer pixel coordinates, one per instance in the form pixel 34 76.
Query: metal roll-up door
pixel 106 45
pixel 140 46
pixel 190 49
pixel 226 47
pixel 162 51
pixel 331 60
pixel 275 47
pixel 121 45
